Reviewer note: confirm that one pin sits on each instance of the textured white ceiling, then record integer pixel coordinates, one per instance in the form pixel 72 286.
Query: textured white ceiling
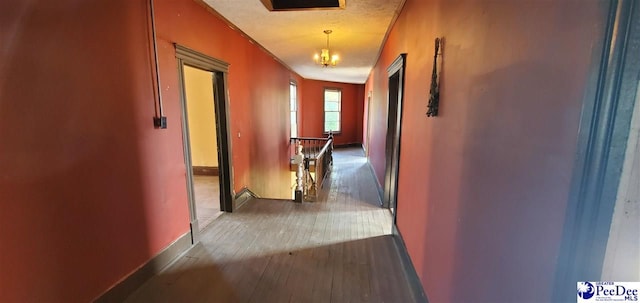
pixel 295 36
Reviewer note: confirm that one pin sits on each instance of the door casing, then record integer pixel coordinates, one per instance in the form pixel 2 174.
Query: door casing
pixel 186 56
pixel 604 129
pixel 394 132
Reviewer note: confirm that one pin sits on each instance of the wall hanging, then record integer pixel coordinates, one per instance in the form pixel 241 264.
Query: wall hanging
pixel 434 92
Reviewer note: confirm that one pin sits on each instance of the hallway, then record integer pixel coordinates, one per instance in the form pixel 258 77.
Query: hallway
pixel 338 249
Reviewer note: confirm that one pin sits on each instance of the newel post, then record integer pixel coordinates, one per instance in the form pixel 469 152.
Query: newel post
pixel 298 159
pixel 330 151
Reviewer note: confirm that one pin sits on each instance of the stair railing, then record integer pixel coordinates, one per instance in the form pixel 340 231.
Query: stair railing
pixel 312 155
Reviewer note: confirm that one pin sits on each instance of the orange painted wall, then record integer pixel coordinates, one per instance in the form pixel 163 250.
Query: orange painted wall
pixel 258 93
pixel 484 186
pixel 89 190
pixel 312 107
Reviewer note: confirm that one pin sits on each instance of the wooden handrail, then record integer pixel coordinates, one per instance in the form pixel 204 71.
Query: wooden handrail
pixel 323 163
pixel 312 146
pixel 319 151
pixel 324 149
pixel 309 138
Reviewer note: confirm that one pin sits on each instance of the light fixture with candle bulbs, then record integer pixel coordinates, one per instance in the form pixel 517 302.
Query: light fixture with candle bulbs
pixel 325 58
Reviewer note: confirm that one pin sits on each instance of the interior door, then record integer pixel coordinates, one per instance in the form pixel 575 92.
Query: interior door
pixel 394 127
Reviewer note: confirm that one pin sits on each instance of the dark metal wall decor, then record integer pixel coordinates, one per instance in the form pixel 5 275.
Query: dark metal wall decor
pixel 434 92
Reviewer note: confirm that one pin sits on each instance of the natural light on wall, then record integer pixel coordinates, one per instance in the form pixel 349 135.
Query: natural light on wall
pixel 293 108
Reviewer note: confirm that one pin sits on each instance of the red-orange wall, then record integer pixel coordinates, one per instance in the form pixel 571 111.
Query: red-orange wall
pixel 258 92
pixel 89 190
pixel 312 107
pixel 484 186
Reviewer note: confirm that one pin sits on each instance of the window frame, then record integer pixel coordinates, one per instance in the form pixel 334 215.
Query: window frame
pixel 324 111
pixel 293 110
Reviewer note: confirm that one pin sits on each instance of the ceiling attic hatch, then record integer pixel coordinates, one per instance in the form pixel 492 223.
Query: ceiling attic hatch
pixel 298 5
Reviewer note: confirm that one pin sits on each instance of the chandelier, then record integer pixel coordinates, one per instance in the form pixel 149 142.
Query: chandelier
pixel 325 58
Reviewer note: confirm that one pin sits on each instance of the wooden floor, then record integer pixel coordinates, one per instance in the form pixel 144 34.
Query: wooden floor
pixel 338 249
pixel 207 196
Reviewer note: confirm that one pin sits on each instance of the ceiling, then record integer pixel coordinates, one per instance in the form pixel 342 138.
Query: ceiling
pixel 295 36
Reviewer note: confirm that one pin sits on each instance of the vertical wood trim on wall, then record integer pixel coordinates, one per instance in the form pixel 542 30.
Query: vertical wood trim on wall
pixel 604 129
pixel 621 261
pixel 392 149
pixel 224 141
pixel 193 218
pixel 367 146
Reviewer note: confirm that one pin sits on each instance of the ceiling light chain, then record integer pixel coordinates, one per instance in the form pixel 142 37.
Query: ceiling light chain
pixel 325 58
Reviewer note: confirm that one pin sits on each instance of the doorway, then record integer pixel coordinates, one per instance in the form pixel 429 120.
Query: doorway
pixel 206 138
pixel 201 119
pixel 394 132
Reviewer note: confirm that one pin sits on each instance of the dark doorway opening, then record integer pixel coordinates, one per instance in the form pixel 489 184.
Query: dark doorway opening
pixel 394 132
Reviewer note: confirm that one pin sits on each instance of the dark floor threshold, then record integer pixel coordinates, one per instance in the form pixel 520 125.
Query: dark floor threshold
pixel 412 276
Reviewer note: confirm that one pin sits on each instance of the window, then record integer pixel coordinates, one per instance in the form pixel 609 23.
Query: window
pixel 332 107
pixel 293 107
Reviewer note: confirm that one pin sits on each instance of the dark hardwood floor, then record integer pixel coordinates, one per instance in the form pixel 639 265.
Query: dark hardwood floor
pixel 338 249
pixel 207 196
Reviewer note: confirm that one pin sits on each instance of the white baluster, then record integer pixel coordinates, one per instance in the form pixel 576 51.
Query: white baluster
pixel 299 160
